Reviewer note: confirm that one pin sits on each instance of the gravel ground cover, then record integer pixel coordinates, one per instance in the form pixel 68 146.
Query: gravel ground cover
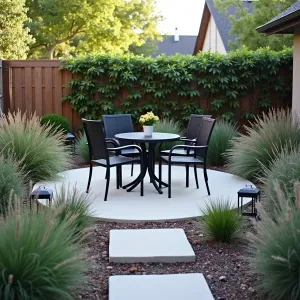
pixel 225 266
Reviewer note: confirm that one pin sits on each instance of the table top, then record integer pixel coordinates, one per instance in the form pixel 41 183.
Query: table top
pixel 140 137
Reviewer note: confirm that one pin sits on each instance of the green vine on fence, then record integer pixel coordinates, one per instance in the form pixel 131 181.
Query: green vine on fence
pixel 177 86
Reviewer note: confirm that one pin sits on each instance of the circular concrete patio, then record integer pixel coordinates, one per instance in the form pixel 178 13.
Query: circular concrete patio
pixel 123 206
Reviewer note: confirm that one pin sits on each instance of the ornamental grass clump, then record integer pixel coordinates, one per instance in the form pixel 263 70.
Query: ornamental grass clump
pixel 222 222
pixel 277 248
pixel 220 141
pixel 42 153
pixel 11 182
pixel 74 206
pixel 273 133
pixel 82 148
pixel 39 258
pixel 284 171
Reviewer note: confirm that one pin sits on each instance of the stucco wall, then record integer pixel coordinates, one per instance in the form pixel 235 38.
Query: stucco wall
pixel 213 41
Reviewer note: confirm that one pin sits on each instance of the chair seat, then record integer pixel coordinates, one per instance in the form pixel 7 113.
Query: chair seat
pixel 183 160
pixel 116 161
pixel 178 152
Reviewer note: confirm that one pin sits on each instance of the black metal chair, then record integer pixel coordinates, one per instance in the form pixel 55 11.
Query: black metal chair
pixel 99 153
pixel 199 148
pixel 120 123
pixel 191 134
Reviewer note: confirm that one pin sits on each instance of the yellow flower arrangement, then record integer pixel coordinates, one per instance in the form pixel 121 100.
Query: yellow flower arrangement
pixel 148 119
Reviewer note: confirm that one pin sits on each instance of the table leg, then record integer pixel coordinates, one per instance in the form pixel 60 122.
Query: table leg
pixel 135 183
pixel 148 164
pixel 151 158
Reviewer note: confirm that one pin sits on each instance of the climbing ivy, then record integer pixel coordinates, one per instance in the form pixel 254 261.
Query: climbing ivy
pixel 179 85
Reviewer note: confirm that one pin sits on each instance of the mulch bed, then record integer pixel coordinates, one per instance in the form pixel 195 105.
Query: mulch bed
pixel 225 266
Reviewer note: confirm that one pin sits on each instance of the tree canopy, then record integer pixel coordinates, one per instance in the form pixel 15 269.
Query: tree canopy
pixel 244 23
pixel 85 26
pixel 14 37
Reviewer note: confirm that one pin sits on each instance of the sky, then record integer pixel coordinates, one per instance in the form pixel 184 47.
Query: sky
pixel 184 14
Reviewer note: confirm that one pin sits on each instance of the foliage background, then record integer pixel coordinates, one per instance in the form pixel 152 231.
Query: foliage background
pixel 245 22
pixel 14 37
pixel 61 28
pixel 234 87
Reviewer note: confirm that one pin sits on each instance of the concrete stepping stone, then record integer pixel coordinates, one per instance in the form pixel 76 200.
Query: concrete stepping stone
pixel 149 245
pixel 159 287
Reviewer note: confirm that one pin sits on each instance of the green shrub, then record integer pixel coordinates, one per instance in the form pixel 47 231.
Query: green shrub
pixel 39 258
pixel 74 206
pixel 82 148
pixel 57 122
pixel 277 248
pixel 168 126
pixel 220 142
pixel 11 182
pixel 41 154
pixel 283 171
pixel 222 222
pixel 264 139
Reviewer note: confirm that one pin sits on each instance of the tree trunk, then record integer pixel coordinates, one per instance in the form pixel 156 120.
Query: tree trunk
pixel 51 51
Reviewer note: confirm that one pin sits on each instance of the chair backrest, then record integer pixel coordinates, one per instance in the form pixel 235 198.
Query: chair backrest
pixel 194 125
pixel 204 135
pixel 96 139
pixel 119 123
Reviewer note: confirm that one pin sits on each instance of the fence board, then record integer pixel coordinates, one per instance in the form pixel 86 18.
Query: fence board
pixel 17 86
pixel 28 91
pixel 57 90
pixel 47 87
pixel 37 86
pixel 38 91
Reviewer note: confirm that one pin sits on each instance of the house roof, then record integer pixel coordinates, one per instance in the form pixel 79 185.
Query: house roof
pixel 222 22
pixel 168 46
pixel 284 22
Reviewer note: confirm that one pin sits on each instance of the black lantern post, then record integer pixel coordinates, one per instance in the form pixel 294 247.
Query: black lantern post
pixel 70 139
pixel 249 192
pixel 41 193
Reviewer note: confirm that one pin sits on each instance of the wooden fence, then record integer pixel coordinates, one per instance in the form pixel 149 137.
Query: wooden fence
pixel 37 86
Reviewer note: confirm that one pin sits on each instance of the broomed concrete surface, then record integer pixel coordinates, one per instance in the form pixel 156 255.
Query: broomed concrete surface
pixel 159 287
pixel 149 245
pixel 121 206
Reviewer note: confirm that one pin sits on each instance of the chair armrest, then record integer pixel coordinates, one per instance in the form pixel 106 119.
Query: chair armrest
pixel 184 139
pixel 186 147
pixel 126 147
pixel 115 142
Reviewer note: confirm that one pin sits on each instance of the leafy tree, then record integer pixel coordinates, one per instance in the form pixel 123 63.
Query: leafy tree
pixel 81 26
pixel 149 48
pixel 14 37
pixel 244 23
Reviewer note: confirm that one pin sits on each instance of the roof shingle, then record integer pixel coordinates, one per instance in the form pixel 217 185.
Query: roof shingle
pixel 168 46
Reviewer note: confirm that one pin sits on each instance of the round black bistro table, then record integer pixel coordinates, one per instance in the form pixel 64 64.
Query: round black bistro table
pixel 148 156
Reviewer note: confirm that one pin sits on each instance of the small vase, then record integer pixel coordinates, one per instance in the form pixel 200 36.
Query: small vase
pixel 148 130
